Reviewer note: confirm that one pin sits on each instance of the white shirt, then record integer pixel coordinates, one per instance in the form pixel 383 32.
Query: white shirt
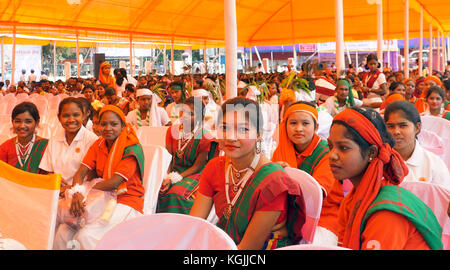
pixel 59 157
pixel 330 105
pixel 32 77
pixel 133 120
pixel 428 167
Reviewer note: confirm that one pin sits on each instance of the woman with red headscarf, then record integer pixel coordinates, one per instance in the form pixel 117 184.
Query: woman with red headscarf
pixel 377 213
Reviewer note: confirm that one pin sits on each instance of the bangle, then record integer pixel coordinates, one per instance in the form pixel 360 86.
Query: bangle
pixel 174 177
pixel 77 189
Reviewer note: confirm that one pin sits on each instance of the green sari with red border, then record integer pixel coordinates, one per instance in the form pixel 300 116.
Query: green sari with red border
pixel 403 202
pixel 181 195
pixel 32 163
pixel 269 182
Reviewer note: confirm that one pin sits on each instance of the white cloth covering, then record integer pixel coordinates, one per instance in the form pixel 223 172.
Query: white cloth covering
pixel 427 167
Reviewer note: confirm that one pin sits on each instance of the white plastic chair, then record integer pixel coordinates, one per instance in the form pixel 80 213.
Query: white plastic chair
pixel 166 231
pixel 313 196
pixel 53 102
pixel 152 135
pixel 437 198
pixel 157 161
pixel 28 206
pixel 438 125
pixel 312 247
pixel 431 142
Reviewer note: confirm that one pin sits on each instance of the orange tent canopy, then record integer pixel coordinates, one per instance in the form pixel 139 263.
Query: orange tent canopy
pixel 196 22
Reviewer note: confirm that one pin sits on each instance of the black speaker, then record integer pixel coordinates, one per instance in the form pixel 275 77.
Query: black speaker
pixel 99 58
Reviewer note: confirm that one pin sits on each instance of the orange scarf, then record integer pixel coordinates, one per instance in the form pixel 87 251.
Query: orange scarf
pixel 434 79
pixel 126 138
pixel 387 168
pixel 286 150
pixel 109 79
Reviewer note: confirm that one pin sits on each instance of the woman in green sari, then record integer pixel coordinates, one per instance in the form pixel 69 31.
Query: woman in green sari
pixel 191 148
pixel 26 149
pixel 257 203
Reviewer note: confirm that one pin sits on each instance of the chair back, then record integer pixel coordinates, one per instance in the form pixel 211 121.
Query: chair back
pixel 28 206
pixel 312 196
pixel 157 162
pixel 152 135
pixel 437 198
pixel 166 231
pixel 312 247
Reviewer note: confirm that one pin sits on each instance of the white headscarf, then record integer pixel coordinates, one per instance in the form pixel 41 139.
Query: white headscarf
pixel 155 116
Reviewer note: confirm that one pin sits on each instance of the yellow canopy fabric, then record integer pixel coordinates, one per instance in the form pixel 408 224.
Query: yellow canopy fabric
pixel 196 22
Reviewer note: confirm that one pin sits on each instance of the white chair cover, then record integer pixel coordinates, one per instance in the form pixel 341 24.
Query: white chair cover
pixel 157 161
pixel 28 206
pixel 312 247
pixel 152 135
pixel 437 198
pixel 438 125
pixel 166 231
pixel 431 142
pixel 313 197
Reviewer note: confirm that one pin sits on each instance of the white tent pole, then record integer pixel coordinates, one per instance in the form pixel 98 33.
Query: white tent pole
pixel 13 56
pixel 380 33
pixel 172 61
pixel 54 60
pixel 348 53
pixel 442 52
pixel 78 57
pixel 230 48
pixel 131 56
pixel 165 60
pixel 421 42
pixel 438 66
pixel 251 57
pixel 259 58
pixel 406 49
pixel 339 20
pixel 3 60
pixel 271 59
pixel 430 51
pixel 204 57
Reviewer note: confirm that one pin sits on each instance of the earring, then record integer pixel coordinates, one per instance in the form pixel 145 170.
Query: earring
pixel 258 147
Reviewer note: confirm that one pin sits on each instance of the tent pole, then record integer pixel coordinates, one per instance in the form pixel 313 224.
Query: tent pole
pixel 78 58
pixel 204 57
pixel 13 56
pixel 131 56
pixel 3 60
pixel 259 58
pixel 172 61
pixel 165 60
pixel 406 49
pixel 442 52
pixel 430 51
pixel 339 21
pixel 230 48
pixel 380 33
pixel 251 57
pixel 438 66
pixel 54 60
pixel 420 68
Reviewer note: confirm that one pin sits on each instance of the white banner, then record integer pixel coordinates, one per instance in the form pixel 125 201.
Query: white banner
pixel 371 45
pixel 27 57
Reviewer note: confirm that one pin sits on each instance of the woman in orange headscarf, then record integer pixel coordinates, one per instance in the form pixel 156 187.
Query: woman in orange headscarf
pixel 377 213
pixel 118 158
pixel 429 81
pixel 300 147
pixel 104 75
